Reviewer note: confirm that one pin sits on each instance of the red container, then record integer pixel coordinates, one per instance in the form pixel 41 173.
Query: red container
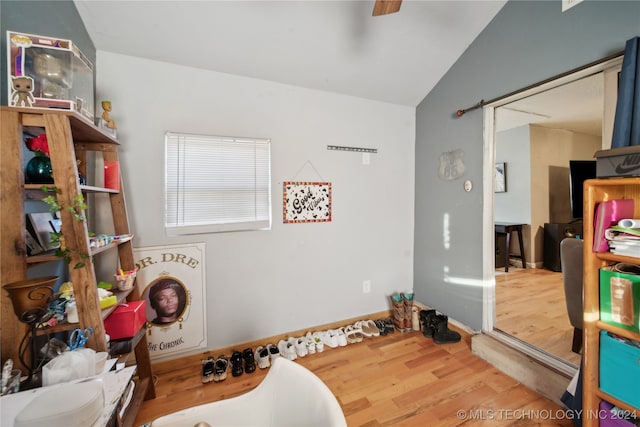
pixel 112 175
pixel 126 320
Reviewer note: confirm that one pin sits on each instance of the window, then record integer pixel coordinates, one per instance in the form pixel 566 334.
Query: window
pixel 216 183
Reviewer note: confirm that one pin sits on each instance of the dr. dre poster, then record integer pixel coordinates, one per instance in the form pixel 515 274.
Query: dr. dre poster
pixel 171 279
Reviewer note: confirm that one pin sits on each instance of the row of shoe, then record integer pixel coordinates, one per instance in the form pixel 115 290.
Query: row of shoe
pixel 318 341
pixel 215 369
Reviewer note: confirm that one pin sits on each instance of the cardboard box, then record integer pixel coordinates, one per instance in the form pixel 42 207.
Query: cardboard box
pixel 620 368
pixel 620 296
pixel 617 162
pixel 126 320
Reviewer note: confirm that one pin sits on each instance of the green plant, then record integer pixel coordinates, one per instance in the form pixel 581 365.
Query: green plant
pixel 76 209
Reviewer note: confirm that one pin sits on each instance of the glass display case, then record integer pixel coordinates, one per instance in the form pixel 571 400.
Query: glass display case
pixel 47 72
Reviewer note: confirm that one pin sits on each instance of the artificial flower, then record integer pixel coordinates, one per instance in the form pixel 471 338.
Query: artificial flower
pixel 39 144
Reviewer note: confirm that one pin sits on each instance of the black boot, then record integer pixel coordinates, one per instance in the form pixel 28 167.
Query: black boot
pixel 425 321
pixel 441 332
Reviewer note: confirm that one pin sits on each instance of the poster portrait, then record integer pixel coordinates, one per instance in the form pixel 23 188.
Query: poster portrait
pixel 306 202
pixel 171 279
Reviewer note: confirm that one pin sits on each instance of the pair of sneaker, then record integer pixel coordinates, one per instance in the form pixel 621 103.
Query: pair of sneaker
pixel 288 349
pixel 263 357
pixel 274 352
pixel 335 338
pixel 331 338
pixel 214 369
pixel 242 362
pixel 314 343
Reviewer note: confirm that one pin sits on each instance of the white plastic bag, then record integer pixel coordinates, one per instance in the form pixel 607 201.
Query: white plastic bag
pixel 68 366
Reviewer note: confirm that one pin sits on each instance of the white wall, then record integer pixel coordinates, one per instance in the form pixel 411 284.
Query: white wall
pixel 513 148
pixel 537 161
pixel 297 275
pixel 551 151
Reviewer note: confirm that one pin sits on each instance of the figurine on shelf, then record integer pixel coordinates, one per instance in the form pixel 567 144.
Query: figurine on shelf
pixel 22 95
pixel 108 121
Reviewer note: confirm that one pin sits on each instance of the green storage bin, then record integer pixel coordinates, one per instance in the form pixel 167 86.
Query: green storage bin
pixel 620 296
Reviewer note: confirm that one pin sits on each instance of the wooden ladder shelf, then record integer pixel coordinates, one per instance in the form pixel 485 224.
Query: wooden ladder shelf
pixel 72 140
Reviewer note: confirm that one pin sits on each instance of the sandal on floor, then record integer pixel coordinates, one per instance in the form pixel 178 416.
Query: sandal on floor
pixel 236 364
pixel 249 360
pixel 369 328
pixel 388 324
pixel 220 368
pixel 380 325
pixel 353 334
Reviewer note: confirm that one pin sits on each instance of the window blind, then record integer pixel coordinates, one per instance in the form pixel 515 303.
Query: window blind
pixel 216 184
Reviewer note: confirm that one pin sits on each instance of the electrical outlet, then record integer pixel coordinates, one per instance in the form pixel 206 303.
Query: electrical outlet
pixel 366 286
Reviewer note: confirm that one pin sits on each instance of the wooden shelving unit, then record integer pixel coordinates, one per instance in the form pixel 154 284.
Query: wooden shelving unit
pixel 595 191
pixel 71 137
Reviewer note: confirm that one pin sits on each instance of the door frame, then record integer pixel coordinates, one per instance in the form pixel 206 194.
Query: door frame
pixel 609 67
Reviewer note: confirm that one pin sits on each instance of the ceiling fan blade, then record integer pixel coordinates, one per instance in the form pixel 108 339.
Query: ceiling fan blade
pixel 383 7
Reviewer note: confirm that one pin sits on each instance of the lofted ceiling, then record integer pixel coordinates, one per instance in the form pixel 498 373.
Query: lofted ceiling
pixel 335 46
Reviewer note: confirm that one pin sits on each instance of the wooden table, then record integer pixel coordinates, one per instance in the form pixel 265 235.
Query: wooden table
pixel 506 228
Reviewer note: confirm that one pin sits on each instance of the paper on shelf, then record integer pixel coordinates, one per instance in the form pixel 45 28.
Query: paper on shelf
pixel 608 213
pixel 629 223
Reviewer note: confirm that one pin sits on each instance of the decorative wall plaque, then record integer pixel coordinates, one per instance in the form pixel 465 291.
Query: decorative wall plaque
pixel 306 202
pixel 451 165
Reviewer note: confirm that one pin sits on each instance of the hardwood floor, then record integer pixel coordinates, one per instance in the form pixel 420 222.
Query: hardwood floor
pixel 401 379
pixel 530 305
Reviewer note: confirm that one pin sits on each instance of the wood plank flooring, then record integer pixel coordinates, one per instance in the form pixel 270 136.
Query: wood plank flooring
pixel 402 379
pixel 530 305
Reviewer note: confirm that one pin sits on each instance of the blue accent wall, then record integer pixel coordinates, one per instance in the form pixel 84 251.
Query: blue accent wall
pixel 527 42
pixel 45 18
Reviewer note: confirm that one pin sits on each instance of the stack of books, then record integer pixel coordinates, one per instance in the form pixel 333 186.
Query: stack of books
pixel 624 237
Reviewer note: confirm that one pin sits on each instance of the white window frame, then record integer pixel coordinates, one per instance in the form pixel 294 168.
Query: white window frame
pixel 236 177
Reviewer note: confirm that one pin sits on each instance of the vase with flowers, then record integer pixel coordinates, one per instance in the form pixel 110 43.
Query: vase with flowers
pixel 38 170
